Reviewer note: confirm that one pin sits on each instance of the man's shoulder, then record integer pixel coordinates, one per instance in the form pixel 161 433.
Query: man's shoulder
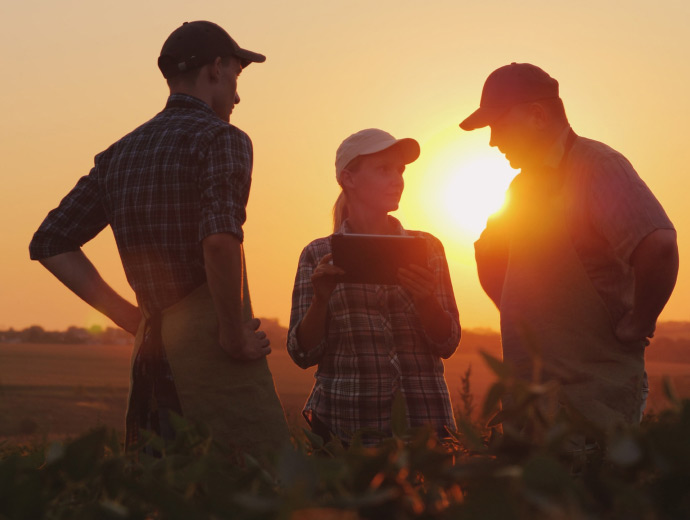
pixel 238 134
pixel 196 127
pixel 593 151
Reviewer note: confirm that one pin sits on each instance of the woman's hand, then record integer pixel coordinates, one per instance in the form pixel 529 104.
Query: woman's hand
pixel 312 328
pixel 420 283
pixel 418 280
pixel 325 278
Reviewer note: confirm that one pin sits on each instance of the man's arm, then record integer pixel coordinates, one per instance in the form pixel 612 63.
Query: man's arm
pixel 491 255
pixel 223 264
pixel 77 272
pixel 655 264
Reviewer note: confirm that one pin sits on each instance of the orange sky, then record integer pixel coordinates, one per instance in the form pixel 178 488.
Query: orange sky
pixel 79 75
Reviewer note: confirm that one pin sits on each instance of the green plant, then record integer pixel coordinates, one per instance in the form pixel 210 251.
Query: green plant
pixel 475 473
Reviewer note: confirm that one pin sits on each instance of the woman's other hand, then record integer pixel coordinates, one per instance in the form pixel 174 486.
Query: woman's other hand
pixel 325 278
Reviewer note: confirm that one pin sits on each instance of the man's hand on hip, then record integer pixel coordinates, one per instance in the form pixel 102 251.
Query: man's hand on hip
pixel 631 329
pixel 254 343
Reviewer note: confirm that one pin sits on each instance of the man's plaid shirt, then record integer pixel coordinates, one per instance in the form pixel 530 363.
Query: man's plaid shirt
pixel 163 188
pixel 374 347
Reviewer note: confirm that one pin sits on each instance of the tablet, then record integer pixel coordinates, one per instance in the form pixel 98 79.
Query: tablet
pixel 376 258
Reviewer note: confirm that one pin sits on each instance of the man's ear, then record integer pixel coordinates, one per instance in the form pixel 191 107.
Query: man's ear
pixel 214 70
pixel 538 115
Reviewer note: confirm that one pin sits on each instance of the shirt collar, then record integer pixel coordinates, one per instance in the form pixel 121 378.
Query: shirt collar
pixel 555 154
pixel 394 223
pixel 187 101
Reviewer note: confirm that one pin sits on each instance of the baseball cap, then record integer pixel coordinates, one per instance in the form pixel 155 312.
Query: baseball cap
pixel 508 86
pixel 194 44
pixel 372 140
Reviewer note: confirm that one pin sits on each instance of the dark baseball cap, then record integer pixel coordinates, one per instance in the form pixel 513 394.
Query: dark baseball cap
pixel 194 44
pixel 508 86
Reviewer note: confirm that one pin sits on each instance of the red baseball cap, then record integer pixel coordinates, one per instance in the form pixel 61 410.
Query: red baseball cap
pixel 508 86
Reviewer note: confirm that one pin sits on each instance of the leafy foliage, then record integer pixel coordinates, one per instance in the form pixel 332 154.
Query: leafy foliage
pixel 476 472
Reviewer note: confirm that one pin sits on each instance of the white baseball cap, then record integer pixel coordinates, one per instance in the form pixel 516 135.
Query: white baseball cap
pixel 372 140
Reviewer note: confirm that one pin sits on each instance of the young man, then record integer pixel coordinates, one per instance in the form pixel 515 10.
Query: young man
pixel 174 192
pixel 582 260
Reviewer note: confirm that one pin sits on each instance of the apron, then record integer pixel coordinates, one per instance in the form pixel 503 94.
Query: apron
pixel 236 400
pixel 554 324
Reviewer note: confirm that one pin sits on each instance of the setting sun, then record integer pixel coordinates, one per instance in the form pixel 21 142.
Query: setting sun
pixel 462 182
pixel 473 190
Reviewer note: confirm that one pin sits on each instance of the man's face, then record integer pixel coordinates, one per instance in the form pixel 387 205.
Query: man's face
pixel 515 135
pixel 226 96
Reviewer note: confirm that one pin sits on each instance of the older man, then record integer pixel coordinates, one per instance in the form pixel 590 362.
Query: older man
pixel 583 258
pixel 174 192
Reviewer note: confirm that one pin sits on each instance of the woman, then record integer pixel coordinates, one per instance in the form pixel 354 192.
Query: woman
pixel 370 341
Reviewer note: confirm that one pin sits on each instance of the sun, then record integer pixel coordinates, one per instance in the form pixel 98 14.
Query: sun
pixel 456 186
pixel 473 190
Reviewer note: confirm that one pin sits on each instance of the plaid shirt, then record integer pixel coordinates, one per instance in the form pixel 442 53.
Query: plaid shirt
pixel 180 177
pixel 374 347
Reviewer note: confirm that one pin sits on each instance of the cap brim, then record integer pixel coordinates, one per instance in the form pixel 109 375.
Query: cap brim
pixel 482 117
pixel 247 57
pixel 408 147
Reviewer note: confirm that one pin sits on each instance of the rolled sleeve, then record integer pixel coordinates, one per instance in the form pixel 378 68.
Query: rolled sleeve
pixel 444 294
pixel 302 295
pixel 448 347
pixel 623 209
pixel 302 358
pixel 79 217
pixel 224 184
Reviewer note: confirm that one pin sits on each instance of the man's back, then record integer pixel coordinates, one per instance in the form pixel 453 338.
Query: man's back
pixel 162 188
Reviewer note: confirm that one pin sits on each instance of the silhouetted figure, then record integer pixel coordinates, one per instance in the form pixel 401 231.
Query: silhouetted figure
pixel 174 192
pixel 373 341
pixel 582 259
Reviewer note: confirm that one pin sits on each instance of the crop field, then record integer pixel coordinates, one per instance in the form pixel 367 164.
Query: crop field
pixel 56 391
pixel 77 394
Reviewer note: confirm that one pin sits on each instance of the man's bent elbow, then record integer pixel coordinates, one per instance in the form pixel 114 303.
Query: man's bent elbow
pixel 219 243
pixel 666 245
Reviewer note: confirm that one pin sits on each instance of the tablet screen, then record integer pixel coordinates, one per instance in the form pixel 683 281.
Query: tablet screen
pixel 376 258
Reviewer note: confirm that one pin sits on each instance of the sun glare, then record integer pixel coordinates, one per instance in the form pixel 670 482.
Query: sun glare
pixel 473 190
pixel 461 186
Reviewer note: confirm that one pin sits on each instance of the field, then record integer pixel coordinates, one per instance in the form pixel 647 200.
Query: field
pixel 55 391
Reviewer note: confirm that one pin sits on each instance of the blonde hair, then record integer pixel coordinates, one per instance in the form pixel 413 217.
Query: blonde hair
pixel 340 210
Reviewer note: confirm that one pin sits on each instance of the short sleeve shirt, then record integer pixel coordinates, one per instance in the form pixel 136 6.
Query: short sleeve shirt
pixel 612 211
pixel 163 188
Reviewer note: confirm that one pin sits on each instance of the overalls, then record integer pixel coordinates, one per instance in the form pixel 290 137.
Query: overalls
pixel 237 400
pixel 554 324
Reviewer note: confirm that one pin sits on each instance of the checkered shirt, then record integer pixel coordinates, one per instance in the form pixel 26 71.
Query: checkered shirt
pixel 374 347
pixel 178 178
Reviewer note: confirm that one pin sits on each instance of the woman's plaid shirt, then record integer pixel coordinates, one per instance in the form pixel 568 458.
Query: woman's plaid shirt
pixel 163 188
pixel 374 347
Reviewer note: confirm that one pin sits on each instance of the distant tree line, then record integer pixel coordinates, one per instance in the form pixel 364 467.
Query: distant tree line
pixel 670 344
pixel 73 335
pixel 110 335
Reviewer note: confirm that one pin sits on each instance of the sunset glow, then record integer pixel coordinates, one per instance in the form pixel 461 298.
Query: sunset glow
pixel 413 69
pixel 473 190
pixel 458 182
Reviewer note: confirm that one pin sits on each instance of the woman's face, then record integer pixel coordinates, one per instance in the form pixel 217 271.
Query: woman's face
pixel 378 181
